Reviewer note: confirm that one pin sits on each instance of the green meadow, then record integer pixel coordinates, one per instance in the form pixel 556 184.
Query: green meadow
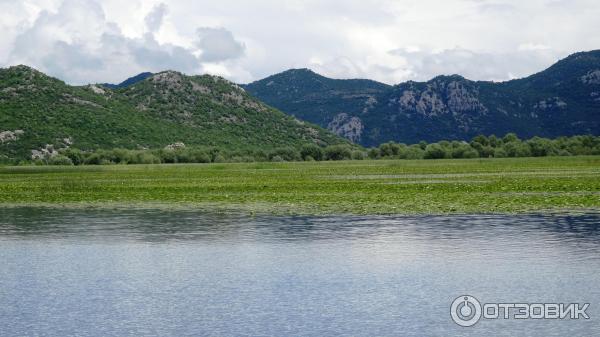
pixel 503 185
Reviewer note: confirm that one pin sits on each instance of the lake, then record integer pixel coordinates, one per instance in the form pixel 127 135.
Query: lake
pixel 97 272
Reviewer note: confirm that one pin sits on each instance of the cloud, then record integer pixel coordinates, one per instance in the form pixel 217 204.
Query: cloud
pixel 474 65
pixel 84 41
pixel 79 44
pixel 218 44
pixel 154 19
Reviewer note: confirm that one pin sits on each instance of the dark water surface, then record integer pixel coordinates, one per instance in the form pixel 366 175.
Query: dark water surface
pixel 181 273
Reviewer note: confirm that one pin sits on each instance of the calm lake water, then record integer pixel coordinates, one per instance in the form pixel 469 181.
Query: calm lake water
pixel 180 273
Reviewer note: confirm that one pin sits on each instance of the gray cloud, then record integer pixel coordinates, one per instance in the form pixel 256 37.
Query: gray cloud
pixel 154 19
pixel 218 44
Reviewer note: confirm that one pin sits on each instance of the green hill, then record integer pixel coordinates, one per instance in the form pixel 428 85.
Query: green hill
pixel 37 110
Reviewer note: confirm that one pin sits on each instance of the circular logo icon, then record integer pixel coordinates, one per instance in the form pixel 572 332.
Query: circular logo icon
pixel 465 310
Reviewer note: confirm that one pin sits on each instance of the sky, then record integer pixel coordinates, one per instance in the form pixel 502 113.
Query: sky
pixel 392 41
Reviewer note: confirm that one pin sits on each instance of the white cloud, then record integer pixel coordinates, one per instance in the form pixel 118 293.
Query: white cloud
pixel 77 43
pixel 425 64
pixel 84 41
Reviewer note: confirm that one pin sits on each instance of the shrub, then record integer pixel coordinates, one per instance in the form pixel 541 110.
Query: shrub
pixel 60 160
pixel 564 153
pixel 338 152
pixel 95 159
pixel 516 149
pixel 510 137
pixel 389 149
pixel 167 156
pixel 494 141
pixel 434 151
pixel 413 152
pixel 77 156
pixel 541 147
pixel 286 153
pixel 144 157
pixel 358 155
pixel 374 153
pixel 311 150
pixel 481 139
pixel 500 153
pixel 260 155
pixel 464 151
pixel 119 156
pixel 191 155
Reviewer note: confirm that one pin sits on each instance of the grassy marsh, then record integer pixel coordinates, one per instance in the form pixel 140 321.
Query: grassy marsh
pixel 511 185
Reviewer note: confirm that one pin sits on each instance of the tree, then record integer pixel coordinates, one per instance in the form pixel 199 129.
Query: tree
pixel 389 149
pixel 374 153
pixel 434 151
pixel 493 141
pixel 481 139
pixel 510 137
pixel 311 150
pixel 285 153
pixel 516 149
pixel 338 152
pixel 541 147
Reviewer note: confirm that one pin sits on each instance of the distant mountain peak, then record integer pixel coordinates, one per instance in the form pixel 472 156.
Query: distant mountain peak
pixel 298 72
pixel 168 77
pixel 453 77
pixel 130 81
pixel 22 67
pixel 25 70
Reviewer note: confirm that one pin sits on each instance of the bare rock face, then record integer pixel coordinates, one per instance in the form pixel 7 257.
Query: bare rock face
pixel 175 146
pixel 592 77
pixel 440 98
pixel 171 79
pixel 369 104
pixel 551 103
pixel 347 126
pixel 97 90
pixel 430 104
pixel 46 152
pixel 9 136
pixel 461 99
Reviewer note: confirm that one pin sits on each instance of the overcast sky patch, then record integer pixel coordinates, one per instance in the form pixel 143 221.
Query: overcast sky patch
pixel 83 41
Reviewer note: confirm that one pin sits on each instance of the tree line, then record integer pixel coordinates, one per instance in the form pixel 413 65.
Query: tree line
pixel 479 147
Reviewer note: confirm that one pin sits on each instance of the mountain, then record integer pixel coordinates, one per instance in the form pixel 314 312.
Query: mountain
pixel 168 107
pixel 561 100
pixel 333 104
pixel 129 81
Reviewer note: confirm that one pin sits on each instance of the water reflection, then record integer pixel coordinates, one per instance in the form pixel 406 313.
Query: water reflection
pixel 161 225
pixel 154 272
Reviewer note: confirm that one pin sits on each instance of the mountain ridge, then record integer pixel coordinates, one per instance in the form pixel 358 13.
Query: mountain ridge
pixel 563 99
